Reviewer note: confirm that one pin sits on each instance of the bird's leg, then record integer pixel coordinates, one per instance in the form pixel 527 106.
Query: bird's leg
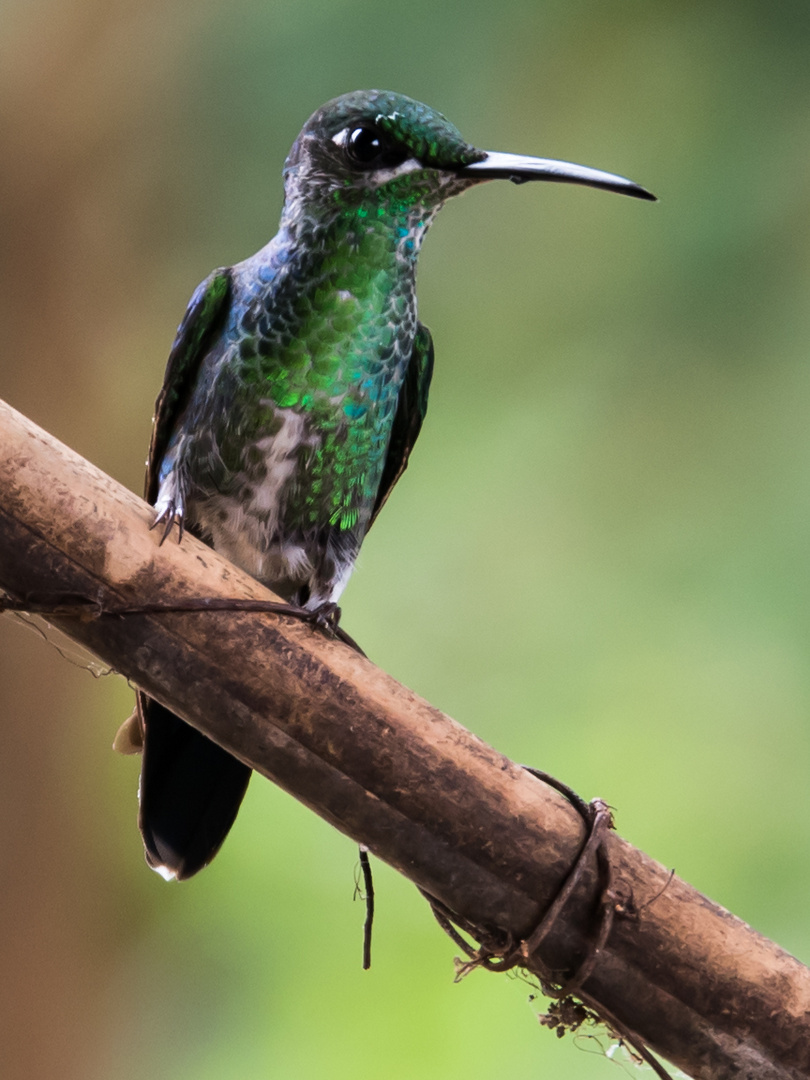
pixel 170 505
pixel 325 616
pixel 170 514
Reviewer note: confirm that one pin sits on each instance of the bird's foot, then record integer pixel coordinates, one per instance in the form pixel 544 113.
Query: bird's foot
pixel 326 617
pixel 169 512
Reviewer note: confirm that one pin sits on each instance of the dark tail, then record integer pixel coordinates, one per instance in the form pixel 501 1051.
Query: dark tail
pixel 190 793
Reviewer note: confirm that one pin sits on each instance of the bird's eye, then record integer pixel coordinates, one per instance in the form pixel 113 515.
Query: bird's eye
pixel 367 148
pixel 364 146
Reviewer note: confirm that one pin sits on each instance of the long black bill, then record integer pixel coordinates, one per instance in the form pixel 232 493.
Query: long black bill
pixel 519 169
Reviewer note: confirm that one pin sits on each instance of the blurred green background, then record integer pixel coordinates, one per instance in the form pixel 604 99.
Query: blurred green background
pixel 599 559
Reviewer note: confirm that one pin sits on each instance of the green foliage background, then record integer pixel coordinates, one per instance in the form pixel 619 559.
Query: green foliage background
pixel 598 560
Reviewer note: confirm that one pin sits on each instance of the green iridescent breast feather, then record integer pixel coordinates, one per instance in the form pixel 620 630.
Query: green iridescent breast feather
pixel 331 343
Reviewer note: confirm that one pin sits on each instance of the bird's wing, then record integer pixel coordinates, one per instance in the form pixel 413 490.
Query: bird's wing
pixel 411 410
pixel 190 789
pixel 201 322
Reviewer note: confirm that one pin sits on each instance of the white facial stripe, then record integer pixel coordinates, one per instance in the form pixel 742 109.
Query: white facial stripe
pixel 382 176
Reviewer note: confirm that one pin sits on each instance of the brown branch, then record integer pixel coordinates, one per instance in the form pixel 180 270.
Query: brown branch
pixel 489 842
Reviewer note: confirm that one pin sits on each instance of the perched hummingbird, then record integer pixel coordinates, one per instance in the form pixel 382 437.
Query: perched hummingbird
pixel 293 395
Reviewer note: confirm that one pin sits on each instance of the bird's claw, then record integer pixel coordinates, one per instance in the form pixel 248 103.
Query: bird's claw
pixel 325 617
pixel 169 514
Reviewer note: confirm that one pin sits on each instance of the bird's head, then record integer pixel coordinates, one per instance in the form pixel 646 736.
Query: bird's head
pixel 375 149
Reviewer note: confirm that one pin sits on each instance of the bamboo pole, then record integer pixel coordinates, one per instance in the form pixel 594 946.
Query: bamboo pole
pixel 468 826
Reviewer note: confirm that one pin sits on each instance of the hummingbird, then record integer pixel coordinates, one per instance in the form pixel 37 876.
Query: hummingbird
pixel 294 392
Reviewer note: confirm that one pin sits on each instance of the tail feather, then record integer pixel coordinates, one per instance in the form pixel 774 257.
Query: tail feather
pixel 190 793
